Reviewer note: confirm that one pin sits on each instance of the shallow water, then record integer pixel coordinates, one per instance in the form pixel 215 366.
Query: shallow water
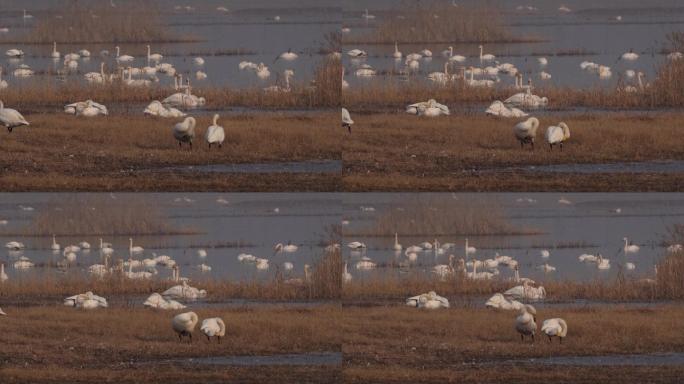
pixel 607 360
pixel 589 224
pixel 308 359
pixel 323 166
pixel 590 27
pixel 247 27
pixel 672 166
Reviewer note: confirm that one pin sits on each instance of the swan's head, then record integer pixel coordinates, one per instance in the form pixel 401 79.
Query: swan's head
pixel 432 294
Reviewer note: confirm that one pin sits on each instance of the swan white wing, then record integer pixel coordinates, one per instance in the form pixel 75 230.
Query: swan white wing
pixel 210 327
pixel 554 135
pixel 346 117
pixel 413 301
pixel 215 134
pixel 10 116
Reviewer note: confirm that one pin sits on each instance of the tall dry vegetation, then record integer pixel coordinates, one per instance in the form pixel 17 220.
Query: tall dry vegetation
pixel 439 23
pixel 100 215
pixel 97 22
pixel 435 215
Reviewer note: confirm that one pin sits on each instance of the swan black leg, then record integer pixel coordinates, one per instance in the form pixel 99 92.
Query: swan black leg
pixel 549 339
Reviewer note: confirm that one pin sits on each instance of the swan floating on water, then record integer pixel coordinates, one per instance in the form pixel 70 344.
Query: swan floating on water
pixel 630 248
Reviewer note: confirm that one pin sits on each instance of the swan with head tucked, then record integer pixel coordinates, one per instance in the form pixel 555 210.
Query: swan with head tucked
pixel 555 327
pixel 184 132
pixel 498 108
pixel 430 300
pixel 347 121
pixel 215 133
pixel 498 301
pixel 526 322
pixel 158 301
pixel 11 118
pixel 184 324
pixel 526 131
pixel 557 135
pixel 526 292
pixel 213 327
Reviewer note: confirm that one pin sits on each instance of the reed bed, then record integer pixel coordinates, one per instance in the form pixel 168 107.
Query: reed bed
pixel 440 216
pixel 438 23
pixel 90 21
pixel 100 215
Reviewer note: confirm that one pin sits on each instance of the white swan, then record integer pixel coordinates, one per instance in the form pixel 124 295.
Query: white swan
pixel 397 246
pixel 347 121
pixel 213 327
pixel 630 266
pixel 55 246
pixel 498 301
pixel 96 77
pixel 16 53
pixel 469 250
pixel 526 131
pixel 215 133
pixel 11 118
pixel 134 249
pixel 346 276
pixel 365 264
pixel 23 263
pixel 156 57
pixel 630 248
pixel 525 323
pixel 527 99
pixel 157 301
pixel 286 248
pixel 14 245
pixel 587 258
pixel 441 77
pixel 156 108
pixel 184 132
pixel 184 324
pixel 123 58
pixel 545 254
pixel 367 16
pixel 602 263
pixel 198 61
pixel 356 245
pixel 397 55
pixel 483 83
pixel 86 108
pixel 526 292
pixel 86 301
pixel 55 54
pixel 485 57
pixel 430 300
pixel 3 83
pixel 262 264
pixel 543 61
pixel 629 56
pixel 428 108
pixel 262 71
pixel 288 56
pixel 498 108
pixel 357 53
pixel 2 313
pixel 555 327
pixel 288 73
pixel 547 268
pixel 557 135
pixel 184 291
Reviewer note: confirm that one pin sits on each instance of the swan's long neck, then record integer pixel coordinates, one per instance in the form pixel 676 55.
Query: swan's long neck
pixel 641 83
pixel 216 119
pixel 517 275
pixel 396 239
pixel 446 69
pixel 130 244
pixel 118 51
pixel 130 265
pixel 345 268
pixel 466 248
pixel 481 51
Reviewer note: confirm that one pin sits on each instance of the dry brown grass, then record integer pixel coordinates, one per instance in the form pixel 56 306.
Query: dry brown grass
pixel 59 152
pixel 475 153
pixel 48 96
pixel 440 216
pixel 407 345
pixel 89 21
pixel 130 345
pixel 416 23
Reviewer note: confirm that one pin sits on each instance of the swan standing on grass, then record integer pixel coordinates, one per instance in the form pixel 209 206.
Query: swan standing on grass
pixel 213 327
pixel 555 327
pixel 526 322
pixel 347 121
pixel 215 133
pixel 557 135
pixel 184 324
pixel 184 132
pixel 630 248
pixel 526 131
pixel 11 118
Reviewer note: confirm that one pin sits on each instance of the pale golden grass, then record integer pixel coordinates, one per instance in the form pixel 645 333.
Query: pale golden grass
pixel 91 21
pixel 440 215
pixel 438 23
